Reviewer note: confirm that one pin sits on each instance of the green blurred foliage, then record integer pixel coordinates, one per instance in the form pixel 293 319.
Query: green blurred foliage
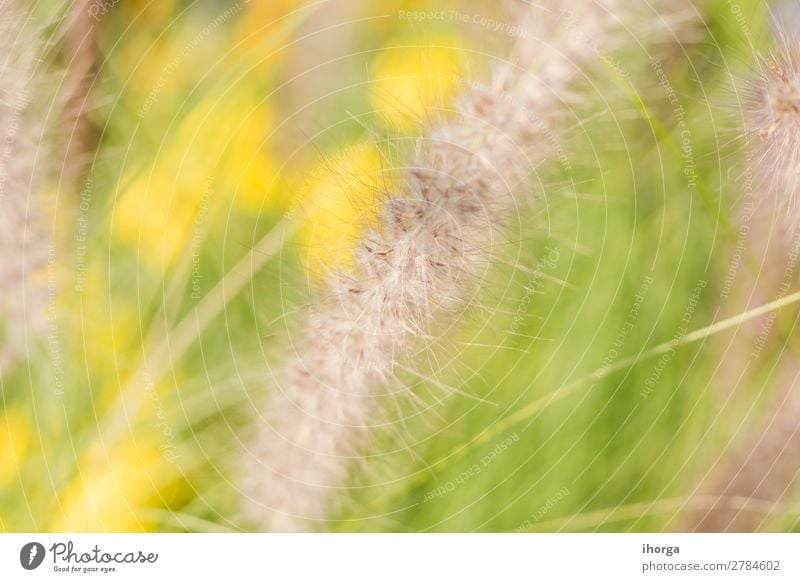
pixel 602 265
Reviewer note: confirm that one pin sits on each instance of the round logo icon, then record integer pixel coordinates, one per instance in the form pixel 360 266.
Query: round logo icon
pixel 31 555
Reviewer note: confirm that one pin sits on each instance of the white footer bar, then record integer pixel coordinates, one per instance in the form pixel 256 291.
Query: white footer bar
pixel 401 557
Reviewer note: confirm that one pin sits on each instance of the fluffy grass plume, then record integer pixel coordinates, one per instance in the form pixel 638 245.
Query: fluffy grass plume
pixel 24 236
pixel 772 126
pixel 432 240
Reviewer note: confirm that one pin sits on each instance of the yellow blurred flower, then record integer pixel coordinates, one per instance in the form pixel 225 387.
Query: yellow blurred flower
pixel 340 198
pixel 219 148
pixel 15 438
pixel 107 333
pixel 250 170
pixel 114 487
pixel 155 216
pixel 412 77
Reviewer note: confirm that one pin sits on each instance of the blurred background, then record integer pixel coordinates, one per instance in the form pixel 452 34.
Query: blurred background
pixel 231 150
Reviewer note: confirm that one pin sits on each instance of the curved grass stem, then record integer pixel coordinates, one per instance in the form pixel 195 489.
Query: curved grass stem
pixel 531 409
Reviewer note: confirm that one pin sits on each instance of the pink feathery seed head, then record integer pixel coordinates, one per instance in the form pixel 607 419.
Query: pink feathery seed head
pixel 24 237
pixel 418 264
pixel 772 128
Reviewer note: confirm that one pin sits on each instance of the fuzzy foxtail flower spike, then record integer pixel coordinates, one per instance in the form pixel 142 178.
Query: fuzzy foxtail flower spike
pixel 433 236
pixel 24 232
pixel 772 127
